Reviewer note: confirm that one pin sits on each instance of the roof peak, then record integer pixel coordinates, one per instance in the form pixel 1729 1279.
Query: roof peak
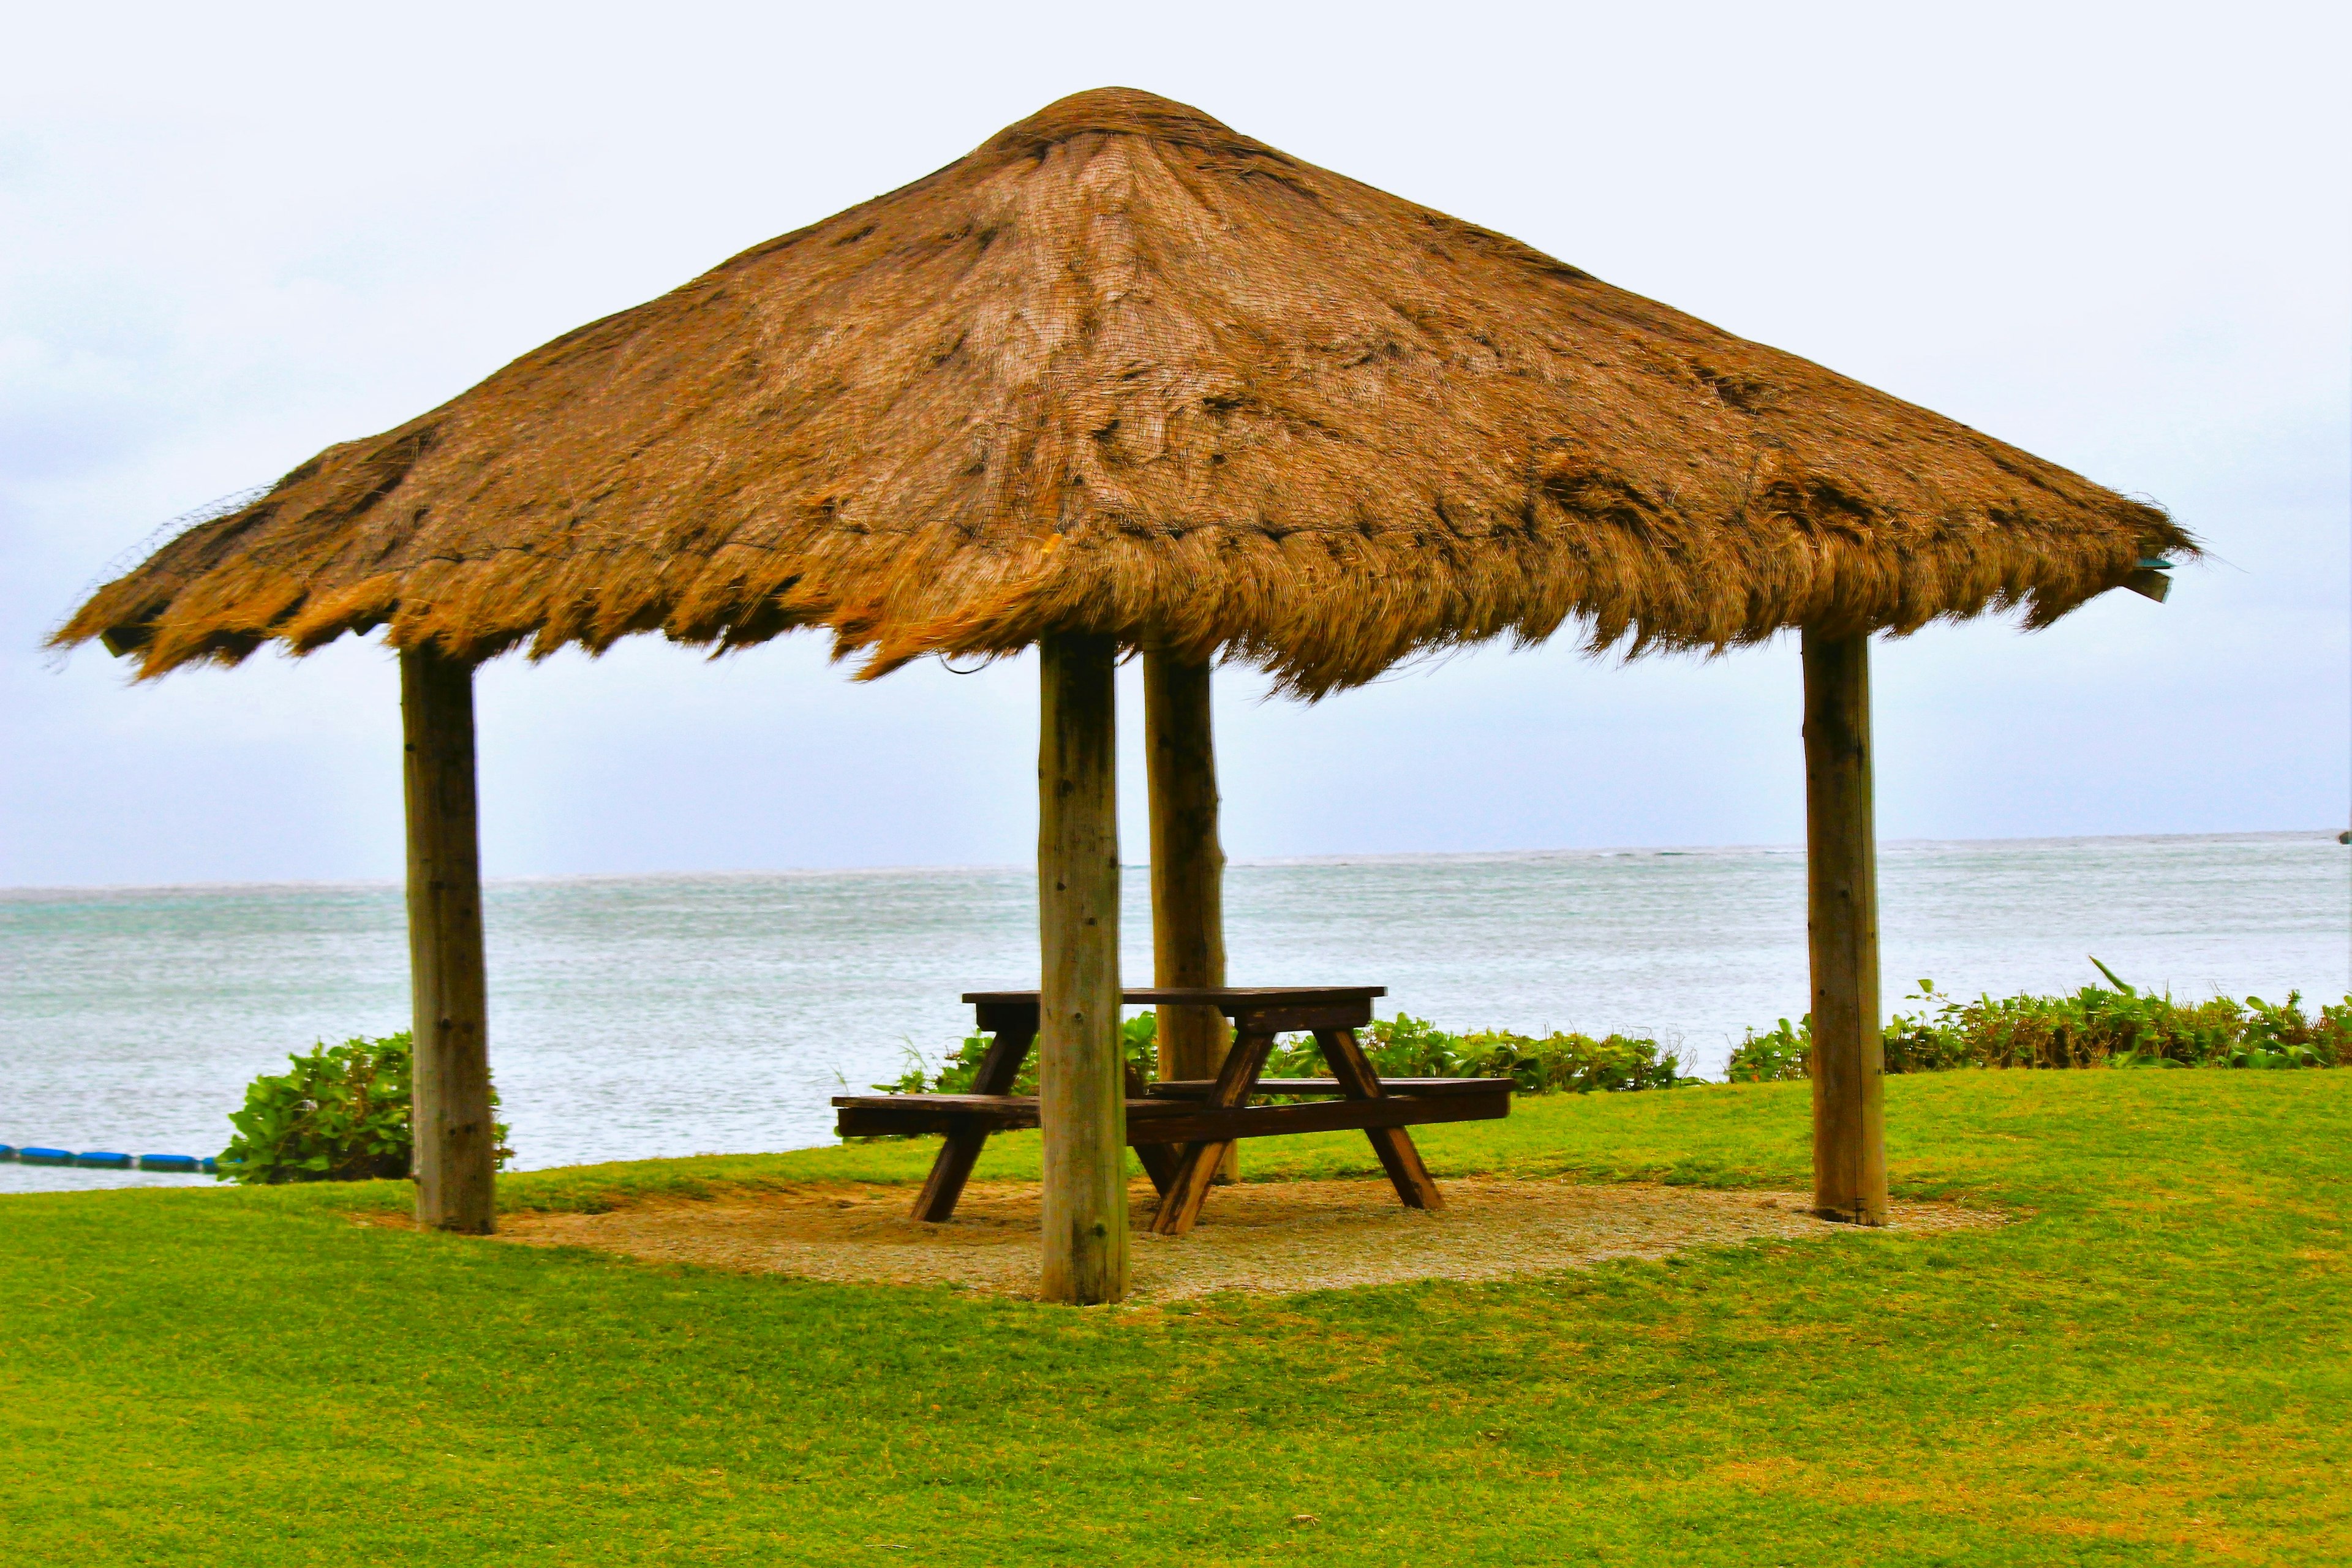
pixel 1117 111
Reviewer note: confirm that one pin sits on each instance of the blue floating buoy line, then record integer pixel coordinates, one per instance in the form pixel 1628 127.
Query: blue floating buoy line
pixel 108 1160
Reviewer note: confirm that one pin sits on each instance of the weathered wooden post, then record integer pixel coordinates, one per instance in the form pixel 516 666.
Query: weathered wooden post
pixel 456 1148
pixel 1842 922
pixel 1188 864
pixel 1081 1088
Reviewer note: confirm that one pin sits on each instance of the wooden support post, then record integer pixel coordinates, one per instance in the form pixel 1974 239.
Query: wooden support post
pixel 455 1146
pixel 1081 1080
pixel 1842 922
pixel 1188 867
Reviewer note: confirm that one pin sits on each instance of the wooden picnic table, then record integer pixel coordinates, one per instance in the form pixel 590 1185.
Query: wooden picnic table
pixel 1181 1130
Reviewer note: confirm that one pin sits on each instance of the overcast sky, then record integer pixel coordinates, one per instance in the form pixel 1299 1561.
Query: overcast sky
pixel 2116 235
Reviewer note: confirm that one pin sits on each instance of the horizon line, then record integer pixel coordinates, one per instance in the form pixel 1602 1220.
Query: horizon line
pixel 1344 859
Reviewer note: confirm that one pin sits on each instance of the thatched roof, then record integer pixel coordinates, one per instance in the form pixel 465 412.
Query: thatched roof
pixel 1124 369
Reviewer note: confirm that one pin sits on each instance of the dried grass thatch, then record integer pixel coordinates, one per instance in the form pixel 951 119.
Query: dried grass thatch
pixel 1124 369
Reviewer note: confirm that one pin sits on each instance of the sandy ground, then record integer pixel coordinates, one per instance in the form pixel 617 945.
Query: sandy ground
pixel 1265 1237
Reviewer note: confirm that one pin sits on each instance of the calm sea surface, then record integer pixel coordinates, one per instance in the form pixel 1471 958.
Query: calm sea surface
pixel 647 1015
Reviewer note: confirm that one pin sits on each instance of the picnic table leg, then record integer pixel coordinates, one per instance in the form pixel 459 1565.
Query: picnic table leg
pixel 1158 1160
pixel 1196 1169
pixel 1394 1145
pixel 1000 1066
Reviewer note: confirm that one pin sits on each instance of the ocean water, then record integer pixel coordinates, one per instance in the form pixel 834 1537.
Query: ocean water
pixel 650 1015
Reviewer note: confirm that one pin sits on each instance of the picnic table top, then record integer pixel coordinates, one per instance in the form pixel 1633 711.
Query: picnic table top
pixel 1227 996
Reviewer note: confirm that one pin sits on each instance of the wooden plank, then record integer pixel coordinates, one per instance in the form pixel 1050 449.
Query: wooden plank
pixel 1229 998
pixel 1000 1069
pixel 1155 1123
pixel 914 1120
pixel 1284 1020
pixel 1198 1089
pixel 1398 1156
pixel 454 1142
pixel 1196 1171
pixel 1841 921
pixel 1020 1110
pixel 1082 1104
pixel 1204 1126
pixel 969 1104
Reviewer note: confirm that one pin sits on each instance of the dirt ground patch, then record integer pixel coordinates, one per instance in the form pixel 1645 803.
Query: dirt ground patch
pixel 1277 1237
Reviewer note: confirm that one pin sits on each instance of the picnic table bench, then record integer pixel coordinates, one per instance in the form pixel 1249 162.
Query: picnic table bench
pixel 1181 1130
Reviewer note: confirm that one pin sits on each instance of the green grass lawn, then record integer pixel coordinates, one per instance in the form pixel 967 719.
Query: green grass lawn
pixel 2153 1364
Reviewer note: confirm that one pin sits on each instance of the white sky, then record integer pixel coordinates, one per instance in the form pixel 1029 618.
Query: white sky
pixel 2116 235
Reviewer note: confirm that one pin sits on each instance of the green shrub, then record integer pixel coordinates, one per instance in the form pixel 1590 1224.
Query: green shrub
pixel 1406 1047
pixel 340 1115
pixel 1401 1046
pixel 2116 1024
pixel 1784 1053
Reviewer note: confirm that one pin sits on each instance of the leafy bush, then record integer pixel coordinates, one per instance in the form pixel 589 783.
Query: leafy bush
pixel 340 1115
pixel 1786 1052
pixel 1401 1046
pixel 2116 1024
pixel 1406 1047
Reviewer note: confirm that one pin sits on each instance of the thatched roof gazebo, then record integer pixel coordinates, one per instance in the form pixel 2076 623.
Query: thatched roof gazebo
pixel 1124 379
